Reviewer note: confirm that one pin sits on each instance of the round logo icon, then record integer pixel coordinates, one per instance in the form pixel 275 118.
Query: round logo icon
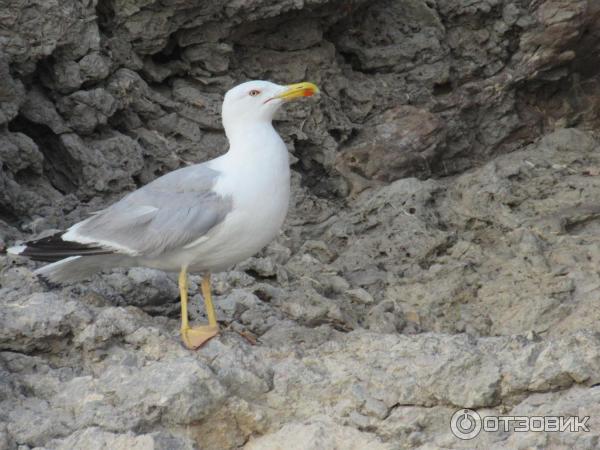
pixel 465 424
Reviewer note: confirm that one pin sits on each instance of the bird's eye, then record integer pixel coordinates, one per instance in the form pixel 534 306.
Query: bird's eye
pixel 254 92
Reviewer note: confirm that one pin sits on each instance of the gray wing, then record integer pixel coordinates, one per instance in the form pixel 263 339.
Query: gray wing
pixel 166 214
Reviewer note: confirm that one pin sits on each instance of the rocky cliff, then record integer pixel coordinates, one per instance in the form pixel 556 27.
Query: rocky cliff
pixel 440 251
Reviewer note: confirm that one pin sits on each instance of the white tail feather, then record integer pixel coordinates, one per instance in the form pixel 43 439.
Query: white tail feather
pixel 76 268
pixel 16 250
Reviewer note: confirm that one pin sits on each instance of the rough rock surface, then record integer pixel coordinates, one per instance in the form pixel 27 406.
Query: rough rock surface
pixel 440 252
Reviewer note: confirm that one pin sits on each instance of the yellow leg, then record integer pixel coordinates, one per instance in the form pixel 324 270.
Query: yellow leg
pixel 183 296
pixel 208 304
pixel 195 337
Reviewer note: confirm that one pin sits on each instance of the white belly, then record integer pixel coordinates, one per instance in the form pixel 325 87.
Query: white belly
pixel 260 190
pixel 245 231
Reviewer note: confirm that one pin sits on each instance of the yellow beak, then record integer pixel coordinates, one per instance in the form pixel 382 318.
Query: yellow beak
pixel 304 89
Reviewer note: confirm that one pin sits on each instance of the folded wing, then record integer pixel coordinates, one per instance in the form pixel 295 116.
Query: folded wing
pixel 167 214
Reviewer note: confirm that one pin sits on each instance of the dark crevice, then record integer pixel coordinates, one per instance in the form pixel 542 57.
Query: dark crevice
pixel 8 216
pixel 24 176
pixel 263 295
pixel 254 274
pixel 138 181
pixel 315 176
pixel 336 134
pixel 171 52
pixel 442 88
pixel 106 18
pixel 354 61
pixel 59 165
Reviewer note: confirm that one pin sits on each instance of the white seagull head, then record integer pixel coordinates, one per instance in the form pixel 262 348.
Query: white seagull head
pixel 257 101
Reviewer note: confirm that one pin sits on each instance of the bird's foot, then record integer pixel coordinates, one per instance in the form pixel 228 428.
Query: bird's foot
pixel 195 337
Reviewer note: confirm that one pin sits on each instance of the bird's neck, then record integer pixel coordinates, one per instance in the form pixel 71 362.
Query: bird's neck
pixel 259 148
pixel 253 137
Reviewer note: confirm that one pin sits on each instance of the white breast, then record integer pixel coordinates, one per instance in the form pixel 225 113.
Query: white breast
pixel 257 177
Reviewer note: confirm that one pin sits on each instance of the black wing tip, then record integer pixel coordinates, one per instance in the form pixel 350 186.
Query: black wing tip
pixel 53 248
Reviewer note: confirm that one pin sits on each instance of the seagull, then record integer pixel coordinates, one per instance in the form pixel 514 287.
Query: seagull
pixel 202 218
